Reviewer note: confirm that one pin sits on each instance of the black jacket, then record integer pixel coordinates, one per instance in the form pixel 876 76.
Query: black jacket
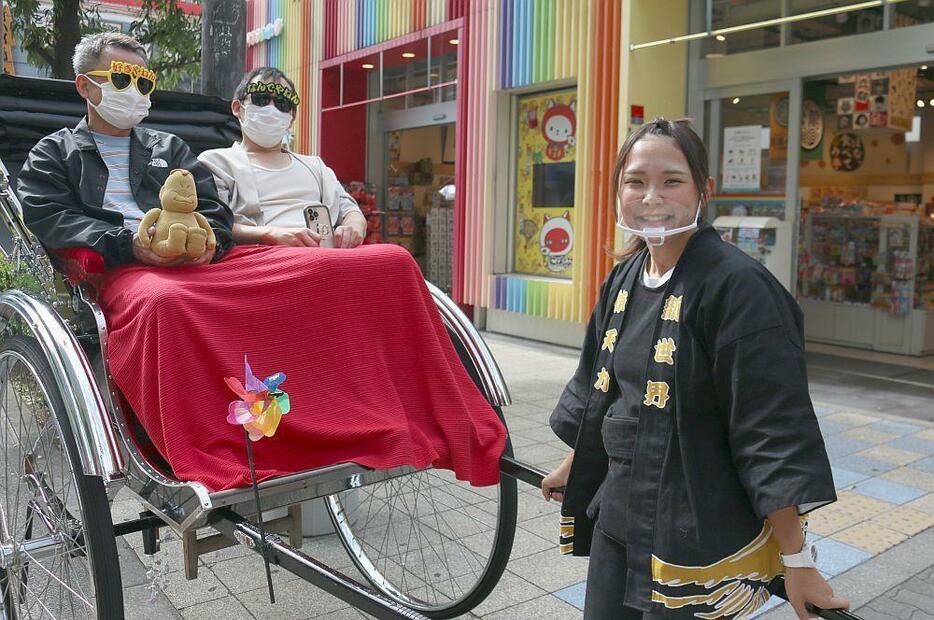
pixel 726 435
pixel 61 188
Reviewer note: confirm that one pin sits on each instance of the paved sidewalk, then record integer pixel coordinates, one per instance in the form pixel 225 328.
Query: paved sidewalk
pixel 875 543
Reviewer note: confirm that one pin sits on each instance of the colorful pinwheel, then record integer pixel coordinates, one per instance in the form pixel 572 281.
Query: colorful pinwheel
pixel 262 404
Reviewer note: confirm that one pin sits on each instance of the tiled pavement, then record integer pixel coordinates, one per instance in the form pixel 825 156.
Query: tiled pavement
pixel 883 467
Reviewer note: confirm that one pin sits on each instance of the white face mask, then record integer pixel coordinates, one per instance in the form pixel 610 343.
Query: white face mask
pixel 124 109
pixel 266 126
pixel 655 236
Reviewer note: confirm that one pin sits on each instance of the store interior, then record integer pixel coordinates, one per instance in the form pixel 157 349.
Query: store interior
pixel 419 197
pixel 865 214
pixel 867 190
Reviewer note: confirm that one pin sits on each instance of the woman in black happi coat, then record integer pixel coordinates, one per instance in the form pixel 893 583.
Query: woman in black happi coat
pixel 696 451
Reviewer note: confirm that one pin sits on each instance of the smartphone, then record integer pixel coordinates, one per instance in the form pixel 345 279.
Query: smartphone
pixel 318 220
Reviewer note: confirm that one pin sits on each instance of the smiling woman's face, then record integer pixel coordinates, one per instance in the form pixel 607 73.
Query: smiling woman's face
pixel 656 189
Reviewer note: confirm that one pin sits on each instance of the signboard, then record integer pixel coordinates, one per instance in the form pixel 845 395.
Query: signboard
pixel 742 158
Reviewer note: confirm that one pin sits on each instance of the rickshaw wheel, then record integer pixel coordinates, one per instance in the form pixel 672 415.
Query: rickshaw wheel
pixel 427 540
pixel 58 553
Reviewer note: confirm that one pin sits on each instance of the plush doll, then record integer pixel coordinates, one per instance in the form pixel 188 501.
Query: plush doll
pixel 180 230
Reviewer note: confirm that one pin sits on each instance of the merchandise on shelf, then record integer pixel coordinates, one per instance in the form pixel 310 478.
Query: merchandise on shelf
pixel 864 252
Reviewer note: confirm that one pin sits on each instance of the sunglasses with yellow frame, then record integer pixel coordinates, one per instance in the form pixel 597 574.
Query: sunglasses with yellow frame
pixel 122 74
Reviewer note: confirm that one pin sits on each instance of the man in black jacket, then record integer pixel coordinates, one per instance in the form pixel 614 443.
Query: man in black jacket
pixel 90 186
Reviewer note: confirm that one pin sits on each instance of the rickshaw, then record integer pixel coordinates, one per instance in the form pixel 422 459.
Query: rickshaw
pixel 428 544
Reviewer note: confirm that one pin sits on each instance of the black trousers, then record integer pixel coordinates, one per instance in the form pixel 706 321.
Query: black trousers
pixel 606 581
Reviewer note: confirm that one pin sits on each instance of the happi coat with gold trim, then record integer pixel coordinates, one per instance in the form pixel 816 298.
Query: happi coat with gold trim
pixel 726 434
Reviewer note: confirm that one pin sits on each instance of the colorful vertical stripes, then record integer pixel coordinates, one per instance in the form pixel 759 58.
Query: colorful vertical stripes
pixel 354 24
pixel 539 40
pixel 296 52
pixel 542 41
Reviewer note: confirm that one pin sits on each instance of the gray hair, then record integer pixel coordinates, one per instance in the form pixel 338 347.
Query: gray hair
pixel 89 49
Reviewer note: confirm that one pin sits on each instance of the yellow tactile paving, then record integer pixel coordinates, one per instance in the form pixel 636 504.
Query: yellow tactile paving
pixel 891 455
pixel 912 477
pixel 870 536
pixel 861 433
pixel 852 418
pixel 849 510
pixel 924 504
pixel 906 520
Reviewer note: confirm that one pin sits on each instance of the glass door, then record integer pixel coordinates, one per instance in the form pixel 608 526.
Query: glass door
pixel 753 137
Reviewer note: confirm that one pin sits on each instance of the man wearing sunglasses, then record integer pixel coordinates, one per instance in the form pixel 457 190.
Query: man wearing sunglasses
pixel 266 185
pixel 91 185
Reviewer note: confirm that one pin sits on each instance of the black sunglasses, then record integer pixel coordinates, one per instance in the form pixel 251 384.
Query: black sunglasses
pixel 283 104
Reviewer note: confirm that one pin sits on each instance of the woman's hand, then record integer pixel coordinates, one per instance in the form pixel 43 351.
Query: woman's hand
pixel 804 586
pixel 295 237
pixel 557 479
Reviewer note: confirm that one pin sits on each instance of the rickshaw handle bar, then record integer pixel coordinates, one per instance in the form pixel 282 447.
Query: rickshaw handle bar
pixel 533 476
pixel 238 529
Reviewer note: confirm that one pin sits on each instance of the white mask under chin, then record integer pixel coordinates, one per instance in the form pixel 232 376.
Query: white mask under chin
pixel 124 109
pixel 656 236
pixel 266 126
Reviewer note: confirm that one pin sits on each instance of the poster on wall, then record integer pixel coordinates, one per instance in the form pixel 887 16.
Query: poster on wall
pixel 742 158
pixel 903 86
pixel 877 99
pixel 545 177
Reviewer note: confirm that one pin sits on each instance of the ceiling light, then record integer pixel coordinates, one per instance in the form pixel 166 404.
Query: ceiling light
pixel 920 103
pixel 735 100
pixel 367 65
pixel 408 55
pixel 931 103
pixel 924 67
pixel 720 37
pixel 454 41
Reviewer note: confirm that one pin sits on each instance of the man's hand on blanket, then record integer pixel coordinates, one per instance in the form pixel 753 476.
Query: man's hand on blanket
pixel 296 237
pixel 347 236
pixel 148 257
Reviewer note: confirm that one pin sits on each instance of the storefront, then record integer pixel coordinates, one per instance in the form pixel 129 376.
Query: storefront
pixel 821 134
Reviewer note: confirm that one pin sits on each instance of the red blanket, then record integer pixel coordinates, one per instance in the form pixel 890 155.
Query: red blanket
pixel 371 373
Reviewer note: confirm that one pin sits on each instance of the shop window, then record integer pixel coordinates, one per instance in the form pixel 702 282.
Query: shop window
pixel 331 87
pixel 727 13
pixel 912 13
pixel 444 58
pixel 753 156
pixel 405 68
pixel 867 233
pixel 361 79
pixel 831 26
pixel 545 170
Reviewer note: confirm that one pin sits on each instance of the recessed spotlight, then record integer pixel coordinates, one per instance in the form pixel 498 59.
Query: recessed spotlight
pixel 408 55
pixel 735 100
pixel 720 37
pixel 931 103
pixel 920 103
pixel 454 41
pixel 367 65
pixel 924 67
